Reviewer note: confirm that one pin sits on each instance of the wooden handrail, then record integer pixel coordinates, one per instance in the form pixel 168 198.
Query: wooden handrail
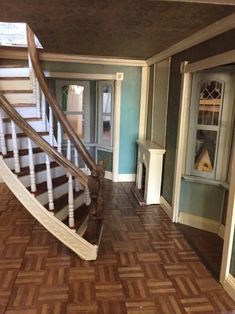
pixel 33 135
pixel 74 138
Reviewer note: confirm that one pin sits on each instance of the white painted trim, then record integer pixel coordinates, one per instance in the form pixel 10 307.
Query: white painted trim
pixel 1 180
pixel 108 175
pixel 217 28
pixel 166 207
pixel 221 231
pixel 229 230
pixel 199 222
pixel 80 76
pixel 56 57
pixel 21 54
pixel 207 63
pixel 143 102
pixel 116 125
pixel 181 142
pixel 127 177
pixel 229 286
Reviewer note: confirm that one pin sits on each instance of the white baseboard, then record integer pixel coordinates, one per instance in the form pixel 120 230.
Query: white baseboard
pixel 108 175
pixel 166 207
pixel 229 286
pixel 129 177
pixel 1 180
pixel 221 231
pixel 199 222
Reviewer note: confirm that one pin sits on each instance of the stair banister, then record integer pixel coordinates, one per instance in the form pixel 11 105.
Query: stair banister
pixel 47 148
pixel 56 108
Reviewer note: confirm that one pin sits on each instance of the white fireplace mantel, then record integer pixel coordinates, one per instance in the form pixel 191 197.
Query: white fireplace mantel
pixel 150 154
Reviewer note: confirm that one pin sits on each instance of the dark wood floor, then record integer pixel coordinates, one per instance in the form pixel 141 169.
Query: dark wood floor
pixel 208 245
pixel 145 265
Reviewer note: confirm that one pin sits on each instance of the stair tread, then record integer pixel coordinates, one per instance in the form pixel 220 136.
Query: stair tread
pixel 42 187
pixel 20 135
pixel 80 215
pixel 23 152
pixel 39 167
pixel 62 201
pixel 26 119
pixel 12 78
pixel 23 104
pixel 94 231
pixel 17 91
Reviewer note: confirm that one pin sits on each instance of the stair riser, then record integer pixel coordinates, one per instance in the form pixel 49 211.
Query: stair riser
pixel 42 176
pixel 22 143
pixel 63 213
pixel 57 192
pixel 16 98
pixel 27 112
pixel 15 85
pixel 39 158
pixel 38 126
pixel 14 72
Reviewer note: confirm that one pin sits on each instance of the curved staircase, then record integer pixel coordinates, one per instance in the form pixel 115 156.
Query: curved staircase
pixel 41 166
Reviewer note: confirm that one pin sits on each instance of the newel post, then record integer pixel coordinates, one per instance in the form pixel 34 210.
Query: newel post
pixel 95 185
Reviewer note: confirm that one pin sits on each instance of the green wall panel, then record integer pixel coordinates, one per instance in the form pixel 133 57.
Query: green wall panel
pixel 201 199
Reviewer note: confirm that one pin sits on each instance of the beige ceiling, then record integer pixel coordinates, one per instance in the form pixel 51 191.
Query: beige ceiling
pixel 120 28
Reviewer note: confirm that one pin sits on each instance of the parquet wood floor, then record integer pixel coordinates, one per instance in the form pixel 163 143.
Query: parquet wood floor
pixel 145 265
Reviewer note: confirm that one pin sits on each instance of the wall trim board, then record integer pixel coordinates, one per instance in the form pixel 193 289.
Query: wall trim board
pixel 221 231
pixel 81 76
pixel 127 177
pixel 199 222
pixel 207 63
pixel 166 207
pixel 143 102
pixel 229 286
pixel 212 30
pixel 108 175
pixel 22 54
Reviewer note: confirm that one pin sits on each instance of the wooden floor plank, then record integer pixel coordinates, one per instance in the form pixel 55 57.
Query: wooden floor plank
pixel 145 265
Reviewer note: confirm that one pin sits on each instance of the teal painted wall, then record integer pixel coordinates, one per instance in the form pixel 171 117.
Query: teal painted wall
pixel 201 199
pixel 130 105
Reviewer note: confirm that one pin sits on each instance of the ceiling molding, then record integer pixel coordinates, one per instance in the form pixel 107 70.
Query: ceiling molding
pixel 22 54
pixel 211 62
pixel 81 76
pixel 54 57
pixel 218 2
pixel 204 34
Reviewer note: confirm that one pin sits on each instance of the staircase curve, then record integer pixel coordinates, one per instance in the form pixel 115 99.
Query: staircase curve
pixel 44 162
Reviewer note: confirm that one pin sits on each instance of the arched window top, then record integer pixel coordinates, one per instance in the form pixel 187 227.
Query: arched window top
pixel 210 102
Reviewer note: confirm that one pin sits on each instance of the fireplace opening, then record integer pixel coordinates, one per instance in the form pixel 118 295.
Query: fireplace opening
pixel 142 189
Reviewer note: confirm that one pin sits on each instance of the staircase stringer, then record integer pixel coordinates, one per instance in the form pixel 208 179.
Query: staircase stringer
pixel 70 238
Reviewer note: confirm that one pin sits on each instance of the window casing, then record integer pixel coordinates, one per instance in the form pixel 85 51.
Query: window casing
pixel 210 125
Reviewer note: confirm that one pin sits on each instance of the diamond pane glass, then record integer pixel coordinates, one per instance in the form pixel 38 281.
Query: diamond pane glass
pixel 210 103
pixel 205 150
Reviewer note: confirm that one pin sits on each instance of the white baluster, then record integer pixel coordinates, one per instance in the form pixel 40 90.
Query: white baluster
pixel 77 183
pixel 51 132
pixel 37 98
pixel 59 137
pixel 68 149
pixel 71 201
pixel 31 167
pixel 49 184
pixel 44 116
pixel 15 148
pixel 87 196
pixel 2 135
